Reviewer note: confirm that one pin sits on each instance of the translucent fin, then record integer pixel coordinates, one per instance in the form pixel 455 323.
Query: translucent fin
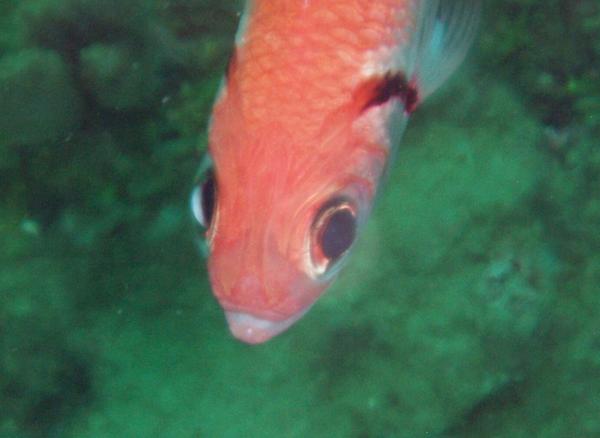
pixel 240 35
pixel 444 32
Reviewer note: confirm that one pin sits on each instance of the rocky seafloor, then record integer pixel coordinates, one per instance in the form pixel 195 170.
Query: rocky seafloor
pixel 470 307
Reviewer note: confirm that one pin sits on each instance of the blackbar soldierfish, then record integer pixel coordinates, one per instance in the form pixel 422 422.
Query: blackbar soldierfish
pixel 316 95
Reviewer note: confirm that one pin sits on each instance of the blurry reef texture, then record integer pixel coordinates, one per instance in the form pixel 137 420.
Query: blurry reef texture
pixel 44 105
pixel 103 110
pixel 470 307
pixel 551 52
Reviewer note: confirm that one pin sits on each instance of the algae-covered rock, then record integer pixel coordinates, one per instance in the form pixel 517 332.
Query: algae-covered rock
pixel 11 35
pixel 454 274
pixel 69 25
pixel 45 379
pixel 38 102
pixel 524 41
pixel 117 78
pixel 448 181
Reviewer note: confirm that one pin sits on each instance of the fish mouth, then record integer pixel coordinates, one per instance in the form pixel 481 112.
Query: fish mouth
pixel 254 330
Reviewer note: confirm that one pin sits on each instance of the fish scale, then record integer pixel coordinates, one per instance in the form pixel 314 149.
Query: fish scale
pixel 293 70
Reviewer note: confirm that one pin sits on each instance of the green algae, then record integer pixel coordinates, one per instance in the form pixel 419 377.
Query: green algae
pixel 39 102
pixel 550 52
pixel 470 305
pixel 116 78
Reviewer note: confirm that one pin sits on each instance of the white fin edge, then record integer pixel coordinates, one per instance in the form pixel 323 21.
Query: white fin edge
pixel 242 30
pixel 444 32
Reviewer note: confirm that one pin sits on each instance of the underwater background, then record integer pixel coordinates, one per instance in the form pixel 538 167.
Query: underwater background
pixel 470 307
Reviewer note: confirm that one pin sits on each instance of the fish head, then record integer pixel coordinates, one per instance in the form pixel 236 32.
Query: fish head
pixel 284 216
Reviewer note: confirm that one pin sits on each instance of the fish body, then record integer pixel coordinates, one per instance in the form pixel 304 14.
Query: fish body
pixel 316 96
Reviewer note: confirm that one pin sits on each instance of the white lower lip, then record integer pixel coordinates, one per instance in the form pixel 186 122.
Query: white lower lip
pixel 254 330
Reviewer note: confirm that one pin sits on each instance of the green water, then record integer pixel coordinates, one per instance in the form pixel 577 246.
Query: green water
pixel 470 307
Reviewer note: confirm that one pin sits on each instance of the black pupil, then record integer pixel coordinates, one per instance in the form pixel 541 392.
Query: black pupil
pixel 208 198
pixel 338 234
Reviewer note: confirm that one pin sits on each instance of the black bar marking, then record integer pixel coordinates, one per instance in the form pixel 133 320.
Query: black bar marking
pixel 394 85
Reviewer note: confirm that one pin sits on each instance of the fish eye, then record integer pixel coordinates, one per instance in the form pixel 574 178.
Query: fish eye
pixel 332 234
pixel 203 200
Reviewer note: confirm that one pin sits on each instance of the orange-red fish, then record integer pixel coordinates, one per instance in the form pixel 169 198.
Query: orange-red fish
pixel 316 96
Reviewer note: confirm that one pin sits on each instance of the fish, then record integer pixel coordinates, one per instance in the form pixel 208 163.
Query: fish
pixel 314 101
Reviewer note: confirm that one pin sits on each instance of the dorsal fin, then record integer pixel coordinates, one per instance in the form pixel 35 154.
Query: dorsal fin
pixel 444 31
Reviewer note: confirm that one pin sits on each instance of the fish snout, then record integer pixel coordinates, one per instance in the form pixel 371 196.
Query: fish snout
pixel 255 330
pixel 247 326
pixel 257 308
